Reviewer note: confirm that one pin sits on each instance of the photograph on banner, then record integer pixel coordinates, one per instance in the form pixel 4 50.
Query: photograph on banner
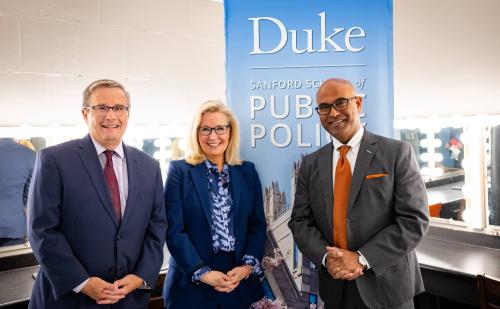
pixel 277 55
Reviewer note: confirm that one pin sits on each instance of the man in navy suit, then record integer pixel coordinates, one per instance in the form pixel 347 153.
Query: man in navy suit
pixel 96 213
pixel 16 164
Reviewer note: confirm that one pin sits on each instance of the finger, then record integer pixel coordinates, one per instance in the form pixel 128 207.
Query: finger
pixel 124 290
pixel 221 289
pixel 109 298
pixel 347 276
pixel 120 282
pixel 339 274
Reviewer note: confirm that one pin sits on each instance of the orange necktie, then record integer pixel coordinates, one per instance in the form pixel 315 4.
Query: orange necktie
pixel 341 190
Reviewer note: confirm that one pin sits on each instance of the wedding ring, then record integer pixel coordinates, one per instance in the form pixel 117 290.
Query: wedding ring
pixel 337 268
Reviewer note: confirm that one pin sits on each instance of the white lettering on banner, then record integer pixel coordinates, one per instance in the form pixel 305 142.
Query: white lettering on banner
pixel 253 107
pixel 303 106
pixel 300 106
pixel 275 84
pixel 325 40
pixel 254 135
pixel 281 135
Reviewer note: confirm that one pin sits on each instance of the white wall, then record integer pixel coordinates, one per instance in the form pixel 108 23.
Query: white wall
pixel 446 57
pixel 170 54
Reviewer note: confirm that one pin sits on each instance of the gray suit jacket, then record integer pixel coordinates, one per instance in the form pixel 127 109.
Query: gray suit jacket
pixel 387 217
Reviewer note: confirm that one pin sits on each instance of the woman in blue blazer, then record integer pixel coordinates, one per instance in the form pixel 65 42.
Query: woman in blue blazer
pixel 216 225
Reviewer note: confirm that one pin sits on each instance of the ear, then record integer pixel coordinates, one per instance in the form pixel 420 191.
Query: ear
pixel 359 103
pixel 85 114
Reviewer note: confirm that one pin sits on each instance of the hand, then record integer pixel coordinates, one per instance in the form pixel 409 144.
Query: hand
pixel 219 280
pixel 126 285
pixel 101 291
pixel 239 273
pixel 343 264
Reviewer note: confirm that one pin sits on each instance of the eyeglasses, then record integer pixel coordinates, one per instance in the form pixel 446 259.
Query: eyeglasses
pixel 219 130
pixel 102 110
pixel 338 105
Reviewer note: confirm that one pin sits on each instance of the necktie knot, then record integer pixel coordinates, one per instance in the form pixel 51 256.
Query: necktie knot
pixel 343 150
pixel 109 154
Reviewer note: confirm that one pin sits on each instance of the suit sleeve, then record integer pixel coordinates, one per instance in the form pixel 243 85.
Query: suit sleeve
pixel 306 234
pixel 411 218
pixel 178 242
pixel 49 245
pixel 256 237
pixel 149 265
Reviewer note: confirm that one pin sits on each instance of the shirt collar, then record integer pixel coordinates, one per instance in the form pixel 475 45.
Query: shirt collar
pixel 354 142
pixel 213 167
pixel 100 149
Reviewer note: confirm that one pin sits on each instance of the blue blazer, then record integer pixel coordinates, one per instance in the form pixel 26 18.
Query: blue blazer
pixel 73 230
pixel 16 166
pixel 189 235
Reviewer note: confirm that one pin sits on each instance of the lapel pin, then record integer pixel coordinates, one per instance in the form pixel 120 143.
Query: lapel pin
pixel 368 151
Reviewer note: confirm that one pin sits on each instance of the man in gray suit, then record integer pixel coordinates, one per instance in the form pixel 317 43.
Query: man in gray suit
pixel 16 166
pixel 362 234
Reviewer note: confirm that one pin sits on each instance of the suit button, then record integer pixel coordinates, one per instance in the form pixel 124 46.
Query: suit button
pixel 118 237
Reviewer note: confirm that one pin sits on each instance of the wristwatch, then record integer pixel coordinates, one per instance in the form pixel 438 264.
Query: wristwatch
pixel 362 261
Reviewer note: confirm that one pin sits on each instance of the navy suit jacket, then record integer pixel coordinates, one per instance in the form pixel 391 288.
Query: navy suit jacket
pixel 73 230
pixel 189 235
pixel 16 166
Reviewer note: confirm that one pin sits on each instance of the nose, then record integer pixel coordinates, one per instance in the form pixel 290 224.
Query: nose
pixel 110 114
pixel 334 112
pixel 212 134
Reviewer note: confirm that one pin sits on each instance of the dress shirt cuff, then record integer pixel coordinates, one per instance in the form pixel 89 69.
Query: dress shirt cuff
pixel 200 273
pixel 79 287
pixel 144 286
pixel 254 262
pixel 323 261
pixel 363 257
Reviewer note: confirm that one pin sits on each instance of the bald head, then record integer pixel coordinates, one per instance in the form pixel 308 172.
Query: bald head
pixel 332 84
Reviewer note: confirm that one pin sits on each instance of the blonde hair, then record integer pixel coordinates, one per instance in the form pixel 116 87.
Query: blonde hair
pixel 232 153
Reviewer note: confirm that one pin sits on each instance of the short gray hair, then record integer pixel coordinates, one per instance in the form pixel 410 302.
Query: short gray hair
pixel 102 83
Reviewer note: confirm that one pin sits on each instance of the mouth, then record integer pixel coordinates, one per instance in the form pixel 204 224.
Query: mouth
pixel 336 121
pixel 109 126
pixel 213 144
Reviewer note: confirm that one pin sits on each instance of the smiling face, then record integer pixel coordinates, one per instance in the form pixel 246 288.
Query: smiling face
pixel 214 146
pixel 340 124
pixel 106 129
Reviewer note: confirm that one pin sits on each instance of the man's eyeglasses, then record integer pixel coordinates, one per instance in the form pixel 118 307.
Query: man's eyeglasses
pixel 219 130
pixel 339 105
pixel 102 110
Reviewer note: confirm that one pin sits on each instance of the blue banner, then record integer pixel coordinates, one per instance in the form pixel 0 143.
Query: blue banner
pixel 277 55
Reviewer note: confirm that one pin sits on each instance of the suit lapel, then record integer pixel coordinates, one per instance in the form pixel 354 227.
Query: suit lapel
pixel 199 178
pixel 88 155
pixel 367 151
pixel 133 186
pixel 324 165
pixel 235 176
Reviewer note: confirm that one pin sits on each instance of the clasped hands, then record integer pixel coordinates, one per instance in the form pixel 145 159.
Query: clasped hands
pixel 104 292
pixel 343 264
pixel 222 282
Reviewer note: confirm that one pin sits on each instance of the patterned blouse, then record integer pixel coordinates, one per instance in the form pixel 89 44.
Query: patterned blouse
pixel 219 191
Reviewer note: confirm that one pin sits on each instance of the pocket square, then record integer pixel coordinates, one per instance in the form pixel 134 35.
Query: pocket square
pixel 372 176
